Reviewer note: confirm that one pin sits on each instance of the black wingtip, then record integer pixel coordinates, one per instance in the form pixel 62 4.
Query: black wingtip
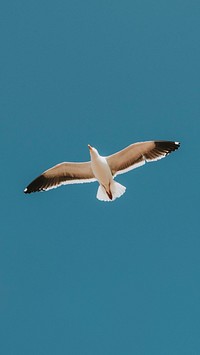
pixel 176 145
pixel 36 185
pixel 168 146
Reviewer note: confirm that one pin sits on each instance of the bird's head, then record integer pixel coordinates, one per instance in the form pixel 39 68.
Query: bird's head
pixel 93 151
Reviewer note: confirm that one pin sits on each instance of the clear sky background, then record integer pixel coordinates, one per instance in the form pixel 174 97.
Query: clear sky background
pixel 79 276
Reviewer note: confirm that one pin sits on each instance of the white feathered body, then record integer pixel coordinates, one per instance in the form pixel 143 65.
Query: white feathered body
pixel 108 189
pixel 101 170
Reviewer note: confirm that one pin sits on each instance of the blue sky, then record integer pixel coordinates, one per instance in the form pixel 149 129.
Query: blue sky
pixel 78 276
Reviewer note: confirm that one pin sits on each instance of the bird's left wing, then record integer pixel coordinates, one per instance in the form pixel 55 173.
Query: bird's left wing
pixel 62 174
pixel 137 154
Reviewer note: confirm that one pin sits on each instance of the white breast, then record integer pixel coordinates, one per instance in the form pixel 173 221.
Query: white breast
pixel 101 170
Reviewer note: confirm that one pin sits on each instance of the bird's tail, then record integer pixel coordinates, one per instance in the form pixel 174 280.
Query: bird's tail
pixel 116 190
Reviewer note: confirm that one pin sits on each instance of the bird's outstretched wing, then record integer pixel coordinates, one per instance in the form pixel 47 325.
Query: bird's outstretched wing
pixel 137 154
pixel 62 174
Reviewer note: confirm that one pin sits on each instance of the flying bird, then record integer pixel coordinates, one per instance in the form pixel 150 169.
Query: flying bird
pixel 103 169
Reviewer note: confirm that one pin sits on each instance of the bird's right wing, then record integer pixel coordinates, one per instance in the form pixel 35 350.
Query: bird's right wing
pixel 62 174
pixel 137 154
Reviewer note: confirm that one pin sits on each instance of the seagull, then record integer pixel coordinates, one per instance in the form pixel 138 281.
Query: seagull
pixel 103 169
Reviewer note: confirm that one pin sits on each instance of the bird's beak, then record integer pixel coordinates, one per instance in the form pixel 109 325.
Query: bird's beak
pixel 89 146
